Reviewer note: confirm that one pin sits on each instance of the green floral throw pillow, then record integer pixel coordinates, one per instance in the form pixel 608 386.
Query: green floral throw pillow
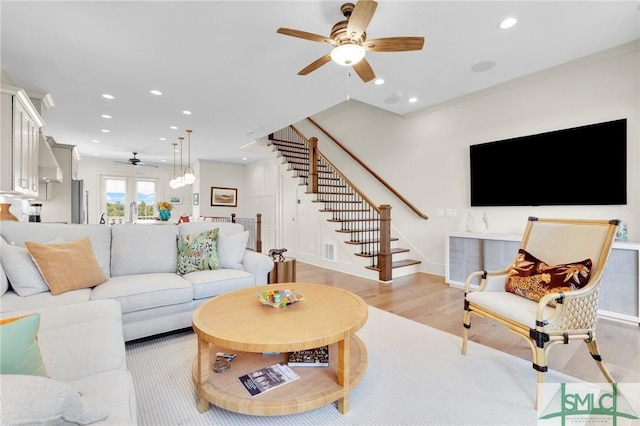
pixel 198 252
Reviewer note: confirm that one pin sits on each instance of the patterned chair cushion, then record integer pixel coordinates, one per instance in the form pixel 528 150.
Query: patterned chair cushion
pixel 533 278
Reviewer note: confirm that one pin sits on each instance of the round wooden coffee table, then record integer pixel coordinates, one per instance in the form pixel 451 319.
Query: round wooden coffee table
pixel 261 335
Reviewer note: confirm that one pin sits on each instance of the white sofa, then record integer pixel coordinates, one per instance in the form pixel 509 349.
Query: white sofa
pixel 82 349
pixel 140 264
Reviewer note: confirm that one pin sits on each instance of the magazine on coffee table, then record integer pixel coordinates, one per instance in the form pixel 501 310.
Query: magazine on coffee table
pixel 316 357
pixel 267 378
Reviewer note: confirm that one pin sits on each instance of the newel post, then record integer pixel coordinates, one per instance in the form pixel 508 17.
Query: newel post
pixel 233 218
pixel 259 232
pixel 384 255
pixel 312 185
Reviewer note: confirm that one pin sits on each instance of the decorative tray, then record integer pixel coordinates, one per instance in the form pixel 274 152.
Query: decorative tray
pixel 279 298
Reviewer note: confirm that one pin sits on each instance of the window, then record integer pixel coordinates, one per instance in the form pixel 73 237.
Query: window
pixel 145 198
pixel 121 192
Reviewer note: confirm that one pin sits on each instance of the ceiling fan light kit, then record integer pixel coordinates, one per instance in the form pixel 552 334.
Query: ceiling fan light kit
pixel 350 42
pixel 347 54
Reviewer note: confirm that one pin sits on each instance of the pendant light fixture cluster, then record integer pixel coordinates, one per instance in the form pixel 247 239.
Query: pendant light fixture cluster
pixel 186 177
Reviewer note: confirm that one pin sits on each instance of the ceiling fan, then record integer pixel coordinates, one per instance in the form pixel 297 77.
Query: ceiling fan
pixel 135 161
pixel 350 42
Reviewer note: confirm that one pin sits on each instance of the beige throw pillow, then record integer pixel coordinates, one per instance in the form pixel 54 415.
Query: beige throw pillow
pixel 66 266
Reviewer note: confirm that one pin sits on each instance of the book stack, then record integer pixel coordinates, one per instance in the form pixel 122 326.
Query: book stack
pixel 316 357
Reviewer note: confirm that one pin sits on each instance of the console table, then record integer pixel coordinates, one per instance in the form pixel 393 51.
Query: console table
pixel 467 252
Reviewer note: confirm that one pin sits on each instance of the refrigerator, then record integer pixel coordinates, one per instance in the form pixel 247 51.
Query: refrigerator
pixel 79 202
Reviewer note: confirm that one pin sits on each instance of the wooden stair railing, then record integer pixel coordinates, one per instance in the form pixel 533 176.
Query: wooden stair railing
pixel 251 224
pixel 368 225
pixel 368 169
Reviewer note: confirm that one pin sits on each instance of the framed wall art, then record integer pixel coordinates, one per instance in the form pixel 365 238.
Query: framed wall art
pixel 175 199
pixel 196 199
pixel 224 197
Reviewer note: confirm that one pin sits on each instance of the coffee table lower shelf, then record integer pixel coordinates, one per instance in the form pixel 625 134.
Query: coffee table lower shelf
pixel 316 387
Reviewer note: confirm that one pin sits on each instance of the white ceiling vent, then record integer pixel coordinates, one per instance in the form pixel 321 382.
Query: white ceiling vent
pixel 329 251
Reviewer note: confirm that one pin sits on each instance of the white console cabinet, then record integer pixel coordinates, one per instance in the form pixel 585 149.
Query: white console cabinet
pixel 467 252
pixel 19 143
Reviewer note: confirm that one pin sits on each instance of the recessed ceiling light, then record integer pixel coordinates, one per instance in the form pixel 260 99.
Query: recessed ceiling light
pixel 163 161
pixel 173 127
pixel 105 131
pixel 507 23
pixel 379 81
pixel 162 139
pixel 413 100
pixel 106 116
pixel 96 154
pixel 483 66
pixel 108 96
pixel 155 92
pixel 244 158
pixel 95 141
pixel 185 112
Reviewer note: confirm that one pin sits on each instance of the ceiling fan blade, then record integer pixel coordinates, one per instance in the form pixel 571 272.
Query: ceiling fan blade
pixel 360 18
pixel 315 64
pixel 145 165
pixel 121 162
pixel 304 35
pixel 364 70
pixel 394 44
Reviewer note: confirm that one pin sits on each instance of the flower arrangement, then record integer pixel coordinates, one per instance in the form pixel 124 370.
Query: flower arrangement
pixel 165 205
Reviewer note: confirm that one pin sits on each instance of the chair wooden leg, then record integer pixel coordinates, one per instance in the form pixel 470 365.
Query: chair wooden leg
pixel 465 331
pixel 595 354
pixel 540 365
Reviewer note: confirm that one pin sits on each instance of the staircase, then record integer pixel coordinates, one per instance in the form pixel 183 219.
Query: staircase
pixel 364 224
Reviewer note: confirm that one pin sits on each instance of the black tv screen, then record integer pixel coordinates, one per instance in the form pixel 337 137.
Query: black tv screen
pixel 584 165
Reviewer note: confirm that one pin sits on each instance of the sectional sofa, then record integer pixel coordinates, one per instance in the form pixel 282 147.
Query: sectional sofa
pixel 76 371
pixel 139 263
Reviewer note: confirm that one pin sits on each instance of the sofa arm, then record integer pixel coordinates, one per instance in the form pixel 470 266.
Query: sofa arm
pixel 82 339
pixel 257 264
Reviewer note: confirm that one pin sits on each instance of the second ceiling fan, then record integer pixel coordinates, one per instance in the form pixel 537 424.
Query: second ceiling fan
pixel 349 40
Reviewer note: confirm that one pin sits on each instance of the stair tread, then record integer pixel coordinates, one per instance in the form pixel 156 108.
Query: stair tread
pixel 338 201
pixel 342 211
pixel 397 264
pixel 352 220
pixel 393 251
pixel 349 231
pixel 353 242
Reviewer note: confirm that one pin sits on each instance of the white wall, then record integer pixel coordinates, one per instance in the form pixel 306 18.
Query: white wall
pixel 426 157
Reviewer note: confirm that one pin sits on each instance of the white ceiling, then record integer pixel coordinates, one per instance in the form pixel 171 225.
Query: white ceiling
pixel 224 61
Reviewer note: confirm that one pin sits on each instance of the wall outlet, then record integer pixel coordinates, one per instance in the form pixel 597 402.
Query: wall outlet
pixel 452 212
pixel 439 212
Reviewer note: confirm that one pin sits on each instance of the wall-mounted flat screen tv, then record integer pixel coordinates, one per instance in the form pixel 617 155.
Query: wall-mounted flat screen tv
pixel 584 165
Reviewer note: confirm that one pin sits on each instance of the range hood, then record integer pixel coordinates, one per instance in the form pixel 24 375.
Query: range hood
pixel 48 168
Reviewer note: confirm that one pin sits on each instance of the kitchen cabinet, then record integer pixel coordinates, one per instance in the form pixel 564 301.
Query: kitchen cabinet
pixel 19 143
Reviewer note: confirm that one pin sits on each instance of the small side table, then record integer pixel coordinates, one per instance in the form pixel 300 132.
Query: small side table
pixel 284 271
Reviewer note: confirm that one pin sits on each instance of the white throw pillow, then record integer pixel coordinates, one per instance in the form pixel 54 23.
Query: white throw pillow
pixel 36 400
pixel 231 250
pixel 23 274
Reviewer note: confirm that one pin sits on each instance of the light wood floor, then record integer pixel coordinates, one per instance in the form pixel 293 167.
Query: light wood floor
pixel 429 300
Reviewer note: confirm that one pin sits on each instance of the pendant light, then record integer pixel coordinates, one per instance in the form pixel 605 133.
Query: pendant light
pixel 173 183
pixel 188 176
pixel 180 179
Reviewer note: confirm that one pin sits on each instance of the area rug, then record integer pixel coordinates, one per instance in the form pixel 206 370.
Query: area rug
pixel 416 376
